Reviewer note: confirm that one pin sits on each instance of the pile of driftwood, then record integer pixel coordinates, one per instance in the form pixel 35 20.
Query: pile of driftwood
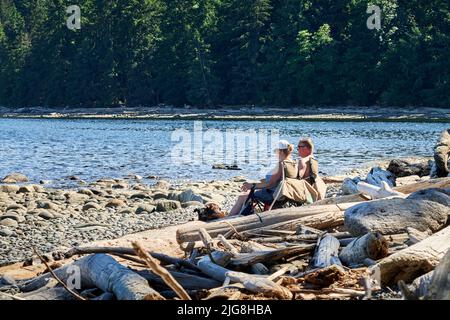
pixel 355 247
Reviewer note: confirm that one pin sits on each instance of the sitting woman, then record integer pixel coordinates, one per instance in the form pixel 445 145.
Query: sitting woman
pixel 308 168
pixel 264 190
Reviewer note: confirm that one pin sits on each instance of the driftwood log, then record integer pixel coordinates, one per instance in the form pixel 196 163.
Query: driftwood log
pixel 414 261
pixel 440 283
pixel 120 251
pixel 103 272
pixel 326 253
pixel 375 192
pixel 253 283
pixel 370 246
pixel 406 189
pixel 287 219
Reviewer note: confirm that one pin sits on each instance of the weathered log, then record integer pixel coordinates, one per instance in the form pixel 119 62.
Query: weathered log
pixel 168 279
pixel 186 234
pixel 325 220
pixel 165 259
pixel 440 283
pixel 389 216
pixel 415 236
pixel 415 260
pixel 418 288
pixel 326 252
pixel 103 272
pixel 441 155
pixel 253 283
pixel 248 259
pixel 371 245
pixel 376 192
pixel 407 189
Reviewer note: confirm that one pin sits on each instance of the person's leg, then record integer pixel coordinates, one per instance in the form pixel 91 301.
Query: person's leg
pixel 238 205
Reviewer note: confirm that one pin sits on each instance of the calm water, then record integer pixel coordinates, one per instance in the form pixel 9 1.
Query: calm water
pixel 91 149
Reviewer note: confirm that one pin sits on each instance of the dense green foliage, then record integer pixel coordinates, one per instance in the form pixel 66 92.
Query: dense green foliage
pixel 224 52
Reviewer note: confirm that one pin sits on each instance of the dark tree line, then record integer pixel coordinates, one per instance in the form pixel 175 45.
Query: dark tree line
pixel 224 52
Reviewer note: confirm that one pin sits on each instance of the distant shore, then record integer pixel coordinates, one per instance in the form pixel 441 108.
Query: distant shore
pixel 344 113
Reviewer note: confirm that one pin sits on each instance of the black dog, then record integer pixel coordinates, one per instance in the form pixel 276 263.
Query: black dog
pixel 211 211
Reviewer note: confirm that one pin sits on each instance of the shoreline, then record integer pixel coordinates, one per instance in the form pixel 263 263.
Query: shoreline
pixel 313 114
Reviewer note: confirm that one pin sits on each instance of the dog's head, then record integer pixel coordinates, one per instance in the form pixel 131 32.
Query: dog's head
pixel 211 211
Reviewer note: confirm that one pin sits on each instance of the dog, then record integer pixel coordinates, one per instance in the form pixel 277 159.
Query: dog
pixel 211 211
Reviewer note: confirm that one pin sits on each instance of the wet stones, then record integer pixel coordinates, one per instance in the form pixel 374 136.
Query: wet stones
pixel 15 178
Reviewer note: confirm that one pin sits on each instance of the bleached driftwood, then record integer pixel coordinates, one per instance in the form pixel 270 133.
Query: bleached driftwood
pixel 410 263
pixel 326 252
pixel 371 245
pixel 406 189
pixel 103 272
pixel 375 192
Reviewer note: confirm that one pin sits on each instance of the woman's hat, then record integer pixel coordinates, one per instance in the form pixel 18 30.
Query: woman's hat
pixel 283 145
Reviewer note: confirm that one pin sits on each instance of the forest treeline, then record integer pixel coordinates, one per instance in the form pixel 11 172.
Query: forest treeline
pixel 224 52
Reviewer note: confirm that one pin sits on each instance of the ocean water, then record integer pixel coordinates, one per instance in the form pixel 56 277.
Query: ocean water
pixel 181 150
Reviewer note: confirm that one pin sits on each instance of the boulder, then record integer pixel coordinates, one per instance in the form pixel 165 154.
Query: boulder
pixel 8 222
pixel 167 205
pixel 441 155
pixel 91 205
pixel 377 175
pixel 160 195
pixel 114 203
pixel 46 215
pixel 392 216
pixel 162 184
pixel 47 205
pixel 189 195
pixel 9 188
pixel 26 189
pixel 140 195
pixel 407 167
pixel 149 208
pixel 441 196
pixel 15 178
pixel 86 192
pixel 191 204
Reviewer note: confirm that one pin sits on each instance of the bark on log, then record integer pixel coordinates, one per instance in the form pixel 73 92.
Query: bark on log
pixel 186 234
pixel 414 261
pixel 407 189
pixel 370 246
pixel 105 273
pixel 326 252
